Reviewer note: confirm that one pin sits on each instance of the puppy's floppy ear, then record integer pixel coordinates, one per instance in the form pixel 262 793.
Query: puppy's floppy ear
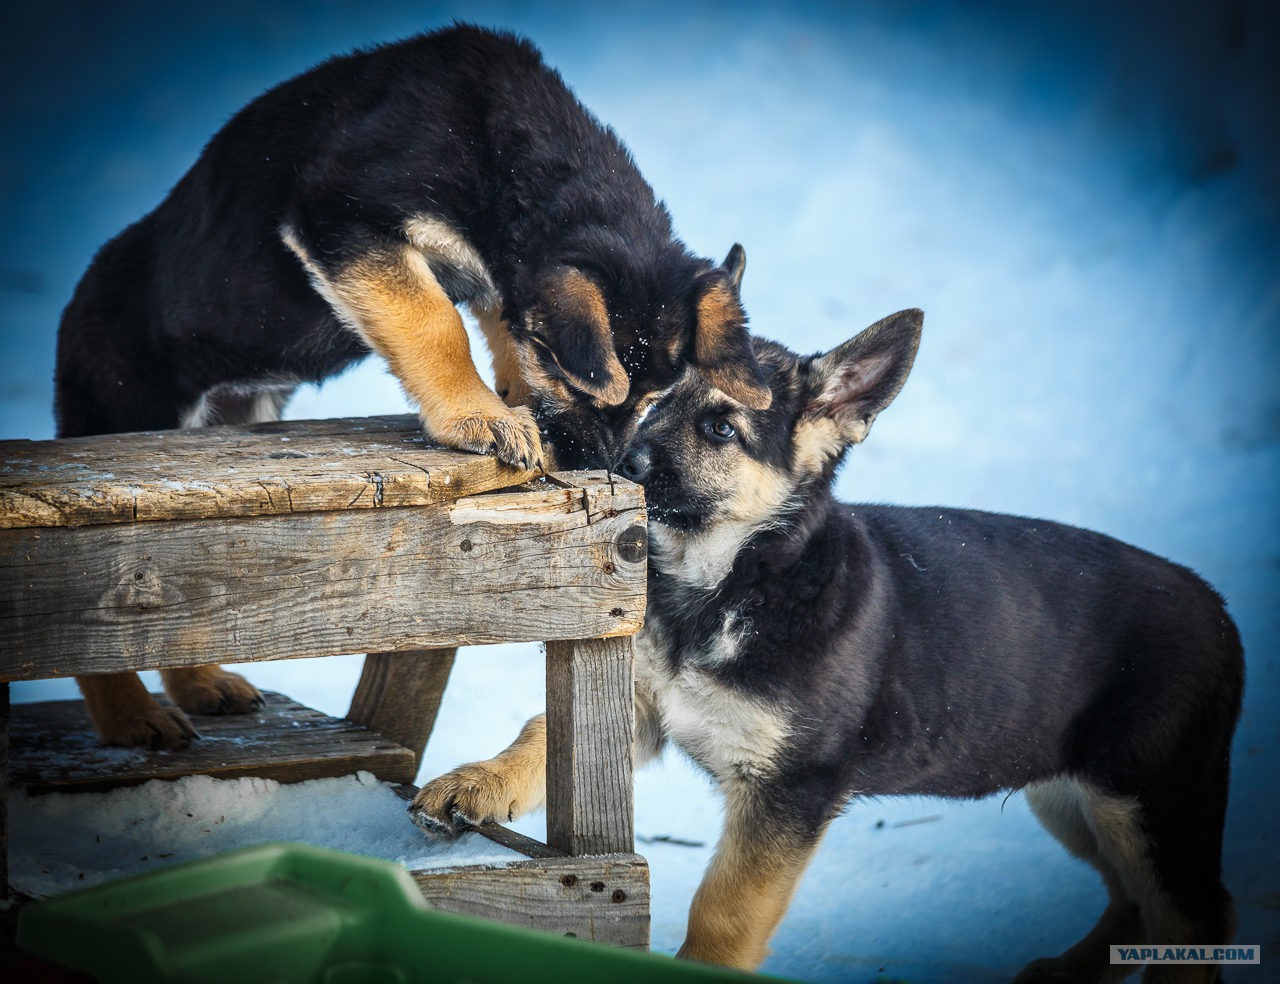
pixel 575 333
pixel 855 381
pixel 721 348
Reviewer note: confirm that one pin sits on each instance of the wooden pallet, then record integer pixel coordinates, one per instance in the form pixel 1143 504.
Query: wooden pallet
pixel 315 538
pixel 55 750
pixel 604 898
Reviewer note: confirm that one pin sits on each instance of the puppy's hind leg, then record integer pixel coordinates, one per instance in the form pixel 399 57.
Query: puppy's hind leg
pixel 1167 845
pixel 1062 806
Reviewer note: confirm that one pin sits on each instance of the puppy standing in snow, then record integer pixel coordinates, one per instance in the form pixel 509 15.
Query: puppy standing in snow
pixel 804 651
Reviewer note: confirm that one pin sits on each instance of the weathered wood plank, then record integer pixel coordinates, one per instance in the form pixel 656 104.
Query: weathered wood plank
pixel 478 570
pixel 399 695
pixel 249 470
pixel 54 749
pixel 599 898
pixel 590 718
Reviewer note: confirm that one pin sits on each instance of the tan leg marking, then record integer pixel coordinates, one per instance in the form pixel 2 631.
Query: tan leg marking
pixel 745 892
pixel 499 789
pixel 210 690
pixel 397 305
pixel 507 377
pixel 123 713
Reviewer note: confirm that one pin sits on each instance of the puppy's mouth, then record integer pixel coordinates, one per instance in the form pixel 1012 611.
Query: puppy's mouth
pixel 675 508
pixel 579 440
pixel 684 520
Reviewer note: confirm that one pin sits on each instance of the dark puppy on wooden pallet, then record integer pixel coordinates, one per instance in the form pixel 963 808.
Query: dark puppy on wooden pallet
pixel 805 651
pixel 350 209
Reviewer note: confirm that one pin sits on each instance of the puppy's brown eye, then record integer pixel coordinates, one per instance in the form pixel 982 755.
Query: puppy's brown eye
pixel 719 430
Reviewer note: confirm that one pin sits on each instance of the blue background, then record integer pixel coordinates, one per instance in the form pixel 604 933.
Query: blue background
pixel 1084 198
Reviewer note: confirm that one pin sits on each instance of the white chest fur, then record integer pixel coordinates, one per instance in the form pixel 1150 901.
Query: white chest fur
pixel 730 734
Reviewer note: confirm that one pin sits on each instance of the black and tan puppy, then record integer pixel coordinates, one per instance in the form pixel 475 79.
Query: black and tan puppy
pixel 350 209
pixel 806 651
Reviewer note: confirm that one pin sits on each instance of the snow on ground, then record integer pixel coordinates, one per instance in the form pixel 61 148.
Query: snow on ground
pixel 70 840
pixel 1081 196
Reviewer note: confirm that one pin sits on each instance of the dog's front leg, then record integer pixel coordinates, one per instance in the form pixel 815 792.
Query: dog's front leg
pixel 757 865
pixel 514 781
pixel 502 788
pixel 389 295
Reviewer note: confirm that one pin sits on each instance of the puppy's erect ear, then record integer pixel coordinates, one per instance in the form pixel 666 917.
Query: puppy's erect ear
pixel 855 381
pixel 735 264
pixel 721 346
pixel 575 332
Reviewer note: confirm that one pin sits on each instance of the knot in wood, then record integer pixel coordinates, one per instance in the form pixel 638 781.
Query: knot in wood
pixel 633 543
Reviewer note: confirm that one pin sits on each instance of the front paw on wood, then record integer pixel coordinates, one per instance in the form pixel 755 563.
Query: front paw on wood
pixel 511 434
pixel 464 798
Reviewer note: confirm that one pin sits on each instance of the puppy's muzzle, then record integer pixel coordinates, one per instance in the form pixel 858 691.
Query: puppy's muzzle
pixel 637 464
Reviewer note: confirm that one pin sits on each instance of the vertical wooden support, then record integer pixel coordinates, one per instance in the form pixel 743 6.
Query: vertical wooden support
pixel 399 695
pixel 590 718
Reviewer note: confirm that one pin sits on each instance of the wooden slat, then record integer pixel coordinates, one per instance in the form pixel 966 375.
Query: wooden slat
pixel 235 471
pixel 55 750
pixel 511 567
pixel 599 898
pixel 399 695
pixel 590 717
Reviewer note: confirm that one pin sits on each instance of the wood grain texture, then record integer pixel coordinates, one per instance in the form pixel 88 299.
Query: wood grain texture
pixel 501 567
pixel 605 899
pixel 590 718
pixel 54 749
pixel 399 695
pixel 235 471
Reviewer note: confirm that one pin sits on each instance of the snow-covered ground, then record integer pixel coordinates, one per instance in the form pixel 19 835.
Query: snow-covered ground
pixel 1081 196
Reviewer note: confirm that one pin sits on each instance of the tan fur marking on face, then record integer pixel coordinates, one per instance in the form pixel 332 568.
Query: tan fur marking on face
pixel 499 789
pixel 817 440
pixel 745 894
pixel 758 493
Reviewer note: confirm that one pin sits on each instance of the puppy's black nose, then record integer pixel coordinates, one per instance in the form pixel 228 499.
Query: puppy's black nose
pixel 636 464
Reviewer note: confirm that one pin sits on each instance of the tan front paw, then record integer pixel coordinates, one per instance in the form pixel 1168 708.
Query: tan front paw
pixel 510 434
pixel 466 797
pixel 211 690
pixel 156 727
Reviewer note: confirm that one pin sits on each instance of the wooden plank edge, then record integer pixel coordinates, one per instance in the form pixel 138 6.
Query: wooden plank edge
pixel 603 897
